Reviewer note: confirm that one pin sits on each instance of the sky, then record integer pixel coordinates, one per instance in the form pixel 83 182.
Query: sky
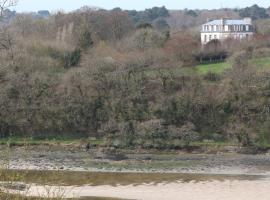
pixel 69 5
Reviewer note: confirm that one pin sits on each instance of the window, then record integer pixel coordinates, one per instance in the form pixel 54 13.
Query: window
pixel 217 28
pixel 215 37
pixel 210 37
pixel 205 38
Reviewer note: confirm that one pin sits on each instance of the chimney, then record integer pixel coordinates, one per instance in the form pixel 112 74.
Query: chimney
pixel 223 21
pixel 248 20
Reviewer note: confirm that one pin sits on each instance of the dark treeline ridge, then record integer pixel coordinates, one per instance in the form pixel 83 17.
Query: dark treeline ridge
pixel 101 74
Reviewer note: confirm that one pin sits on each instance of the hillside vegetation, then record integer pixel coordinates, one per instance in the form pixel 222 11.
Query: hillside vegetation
pixel 98 74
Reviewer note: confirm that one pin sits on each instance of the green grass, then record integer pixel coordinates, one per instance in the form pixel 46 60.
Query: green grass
pixel 217 68
pixel 21 141
pixel 262 64
pixel 212 144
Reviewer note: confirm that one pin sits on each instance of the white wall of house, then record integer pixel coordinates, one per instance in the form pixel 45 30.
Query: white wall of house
pixel 222 31
pixel 207 37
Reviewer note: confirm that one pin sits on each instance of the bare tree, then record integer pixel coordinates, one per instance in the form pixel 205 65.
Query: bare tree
pixel 6 42
pixel 4 4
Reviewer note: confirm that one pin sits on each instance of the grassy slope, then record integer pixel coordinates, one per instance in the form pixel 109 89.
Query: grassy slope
pixel 263 64
pixel 217 68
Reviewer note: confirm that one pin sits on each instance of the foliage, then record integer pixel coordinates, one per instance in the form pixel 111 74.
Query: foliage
pixel 149 15
pixel 254 12
pixel 85 40
pixel 162 25
pixel 191 13
pixel 264 138
pixel 182 46
pixel 144 26
pixel 143 89
pixel 148 38
pixel 70 59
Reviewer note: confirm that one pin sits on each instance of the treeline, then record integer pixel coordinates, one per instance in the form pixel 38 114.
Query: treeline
pixel 162 18
pixel 98 74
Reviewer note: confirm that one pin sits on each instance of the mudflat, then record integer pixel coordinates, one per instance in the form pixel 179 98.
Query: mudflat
pixel 76 159
pixel 75 173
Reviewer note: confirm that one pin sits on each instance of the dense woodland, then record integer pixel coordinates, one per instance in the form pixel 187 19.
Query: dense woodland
pixel 119 75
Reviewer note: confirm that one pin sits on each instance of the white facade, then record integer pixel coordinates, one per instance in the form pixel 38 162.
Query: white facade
pixel 226 28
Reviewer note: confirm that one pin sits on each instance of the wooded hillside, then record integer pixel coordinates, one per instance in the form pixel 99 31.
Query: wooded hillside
pixel 131 77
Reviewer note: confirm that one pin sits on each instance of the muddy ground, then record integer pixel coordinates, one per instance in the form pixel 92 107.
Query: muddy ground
pixel 78 159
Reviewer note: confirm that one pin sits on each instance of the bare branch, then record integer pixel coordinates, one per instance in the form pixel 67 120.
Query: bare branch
pixel 5 4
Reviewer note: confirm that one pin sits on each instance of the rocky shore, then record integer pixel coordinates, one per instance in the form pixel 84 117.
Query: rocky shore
pixel 76 159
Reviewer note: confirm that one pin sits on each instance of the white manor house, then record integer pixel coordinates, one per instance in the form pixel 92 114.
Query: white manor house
pixel 226 28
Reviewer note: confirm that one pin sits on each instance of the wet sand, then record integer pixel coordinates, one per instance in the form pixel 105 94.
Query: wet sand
pixel 144 187
pixel 206 190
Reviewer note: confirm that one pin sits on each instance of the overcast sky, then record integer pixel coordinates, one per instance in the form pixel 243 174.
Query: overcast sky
pixel 68 5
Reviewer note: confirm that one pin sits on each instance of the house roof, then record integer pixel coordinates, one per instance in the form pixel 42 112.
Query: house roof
pixel 229 22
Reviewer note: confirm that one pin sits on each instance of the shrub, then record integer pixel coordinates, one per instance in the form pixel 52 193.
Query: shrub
pixel 129 132
pixel 186 133
pixel 264 137
pixel 261 52
pixel 70 59
pixel 85 40
pixel 155 133
pixel 211 76
pixel 182 47
pixel 148 38
pixel 67 58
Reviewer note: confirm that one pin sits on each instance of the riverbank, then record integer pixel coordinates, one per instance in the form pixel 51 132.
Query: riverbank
pixel 59 158
pixel 147 175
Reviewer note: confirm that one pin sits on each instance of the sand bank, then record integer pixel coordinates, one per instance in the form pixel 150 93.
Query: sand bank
pixel 209 190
